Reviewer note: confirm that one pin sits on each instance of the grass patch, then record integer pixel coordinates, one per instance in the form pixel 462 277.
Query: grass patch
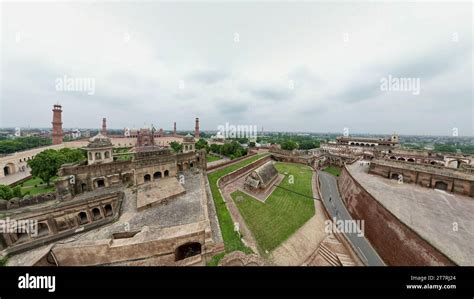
pixel 35 186
pixel 215 259
pixel 232 241
pixel 3 261
pixel 212 158
pixel 335 171
pixel 283 212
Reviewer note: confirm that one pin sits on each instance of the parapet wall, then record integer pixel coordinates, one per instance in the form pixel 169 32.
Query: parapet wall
pixel 150 246
pixel 395 242
pixel 26 201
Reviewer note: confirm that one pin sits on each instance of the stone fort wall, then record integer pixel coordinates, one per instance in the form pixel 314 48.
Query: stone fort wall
pixel 395 242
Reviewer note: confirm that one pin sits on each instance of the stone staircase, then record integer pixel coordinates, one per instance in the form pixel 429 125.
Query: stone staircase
pixel 329 256
pixel 345 260
pixel 331 252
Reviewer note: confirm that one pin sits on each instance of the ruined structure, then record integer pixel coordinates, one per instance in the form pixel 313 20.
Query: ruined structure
pixel 166 222
pixel 149 163
pixel 55 221
pixel 262 177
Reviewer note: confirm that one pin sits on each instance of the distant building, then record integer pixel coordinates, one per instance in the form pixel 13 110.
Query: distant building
pixel 17 132
pixel 368 142
pixel 75 134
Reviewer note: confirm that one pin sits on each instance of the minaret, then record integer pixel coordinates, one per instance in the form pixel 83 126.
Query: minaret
pixel 57 124
pixel 196 129
pixel 104 126
pixel 174 129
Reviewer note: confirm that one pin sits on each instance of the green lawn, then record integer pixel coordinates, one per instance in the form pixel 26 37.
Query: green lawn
pixel 28 186
pixel 212 158
pixel 335 171
pixel 283 212
pixel 231 238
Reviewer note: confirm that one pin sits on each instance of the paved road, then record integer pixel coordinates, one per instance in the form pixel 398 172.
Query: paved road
pixel 336 209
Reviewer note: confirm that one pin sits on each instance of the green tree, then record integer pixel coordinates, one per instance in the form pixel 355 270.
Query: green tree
pixel 215 148
pixel 9 146
pixel 45 165
pixel 70 155
pixel 6 192
pixel 16 191
pixel 308 144
pixel 202 144
pixel 177 147
pixel 289 145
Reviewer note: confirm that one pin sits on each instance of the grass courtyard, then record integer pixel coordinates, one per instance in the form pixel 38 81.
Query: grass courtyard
pixel 284 211
pixel 232 241
pixel 335 171
pixel 35 186
pixel 212 158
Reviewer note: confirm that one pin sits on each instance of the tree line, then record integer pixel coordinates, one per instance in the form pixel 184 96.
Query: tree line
pixel 10 146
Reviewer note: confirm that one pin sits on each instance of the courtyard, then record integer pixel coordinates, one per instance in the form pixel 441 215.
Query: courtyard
pixel 287 209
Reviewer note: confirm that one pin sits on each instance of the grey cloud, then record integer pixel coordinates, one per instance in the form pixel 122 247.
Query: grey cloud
pixel 272 94
pixel 208 76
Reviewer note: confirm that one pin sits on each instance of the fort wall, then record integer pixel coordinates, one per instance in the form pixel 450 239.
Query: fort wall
pixel 395 242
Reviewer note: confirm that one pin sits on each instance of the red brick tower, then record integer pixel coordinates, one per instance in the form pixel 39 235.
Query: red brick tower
pixel 104 126
pixel 57 124
pixel 196 129
pixel 174 129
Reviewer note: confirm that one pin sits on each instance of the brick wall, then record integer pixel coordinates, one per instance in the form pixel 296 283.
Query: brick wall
pixel 395 242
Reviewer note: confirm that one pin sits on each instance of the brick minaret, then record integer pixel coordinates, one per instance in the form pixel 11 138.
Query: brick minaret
pixel 57 124
pixel 174 129
pixel 104 126
pixel 196 129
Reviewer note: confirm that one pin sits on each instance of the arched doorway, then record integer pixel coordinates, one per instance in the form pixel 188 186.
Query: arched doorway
pixel 187 250
pixel 395 176
pixel 167 173
pixel 43 229
pixel 147 178
pixel 8 169
pixel 100 183
pixel 108 210
pixel 83 218
pixel 96 214
pixel 441 186
pixel 157 175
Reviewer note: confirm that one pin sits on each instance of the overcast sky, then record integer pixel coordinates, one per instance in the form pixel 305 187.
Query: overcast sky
pixel 308 66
